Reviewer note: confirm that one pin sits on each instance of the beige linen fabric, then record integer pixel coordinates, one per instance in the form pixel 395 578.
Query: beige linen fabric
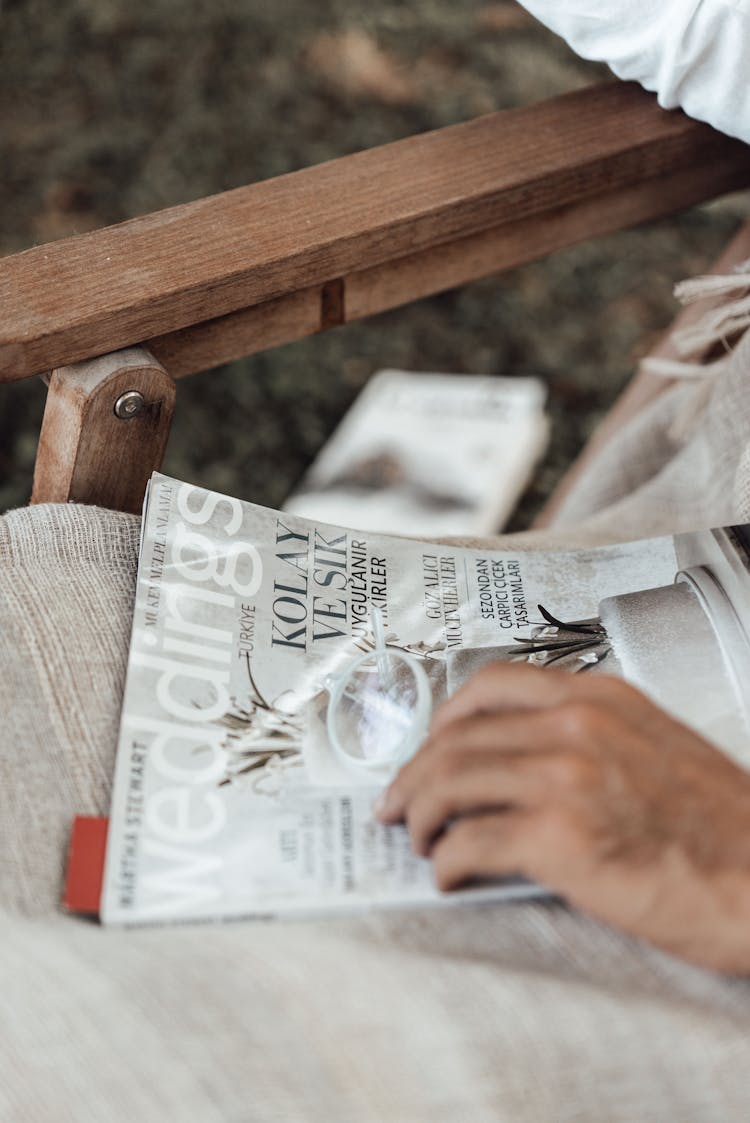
pixel 519 1014
pixel 683 463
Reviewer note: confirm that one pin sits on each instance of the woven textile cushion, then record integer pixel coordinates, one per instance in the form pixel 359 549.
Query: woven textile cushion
pixel 522 1013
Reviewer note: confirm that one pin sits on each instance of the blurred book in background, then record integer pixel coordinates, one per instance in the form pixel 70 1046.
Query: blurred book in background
pixel 428 454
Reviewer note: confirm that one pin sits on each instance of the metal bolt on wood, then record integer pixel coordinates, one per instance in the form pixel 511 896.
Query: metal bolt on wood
pixel 129 405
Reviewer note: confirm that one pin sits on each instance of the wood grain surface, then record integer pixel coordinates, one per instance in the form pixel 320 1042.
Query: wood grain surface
pixel 222 269
pixel 89 455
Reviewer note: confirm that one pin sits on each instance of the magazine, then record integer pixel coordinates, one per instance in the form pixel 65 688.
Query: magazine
pixel 428 454
pixel 281 670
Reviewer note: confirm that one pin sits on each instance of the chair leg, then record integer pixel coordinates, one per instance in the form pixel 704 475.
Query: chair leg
pixel 105 429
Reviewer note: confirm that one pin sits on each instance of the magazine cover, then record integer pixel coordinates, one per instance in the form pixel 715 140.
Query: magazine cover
pixel 281 670
pixel 428 454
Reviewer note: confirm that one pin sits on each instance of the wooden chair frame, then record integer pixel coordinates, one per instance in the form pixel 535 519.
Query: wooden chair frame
pixel 111 318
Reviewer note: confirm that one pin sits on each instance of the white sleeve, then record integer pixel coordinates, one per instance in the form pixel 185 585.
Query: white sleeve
pixel 694 54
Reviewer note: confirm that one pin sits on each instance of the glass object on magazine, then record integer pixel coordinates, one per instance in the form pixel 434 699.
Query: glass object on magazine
pixel 379 706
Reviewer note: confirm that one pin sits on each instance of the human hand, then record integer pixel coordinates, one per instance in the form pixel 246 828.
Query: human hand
pixel 582 784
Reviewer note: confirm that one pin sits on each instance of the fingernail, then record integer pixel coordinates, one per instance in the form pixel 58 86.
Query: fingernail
pixel 380 806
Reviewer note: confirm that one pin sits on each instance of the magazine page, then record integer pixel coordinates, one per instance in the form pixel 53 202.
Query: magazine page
pixel 277 678
pixel 428 454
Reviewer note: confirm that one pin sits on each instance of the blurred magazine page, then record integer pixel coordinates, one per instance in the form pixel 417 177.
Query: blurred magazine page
pixel 428 454
pixel 229 799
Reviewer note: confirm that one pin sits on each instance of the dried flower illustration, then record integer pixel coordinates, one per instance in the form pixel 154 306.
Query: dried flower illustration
pixel 420 650
pixel 576 645
pixel 263 739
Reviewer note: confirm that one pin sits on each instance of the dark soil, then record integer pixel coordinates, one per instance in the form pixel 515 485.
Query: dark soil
pixel 113 109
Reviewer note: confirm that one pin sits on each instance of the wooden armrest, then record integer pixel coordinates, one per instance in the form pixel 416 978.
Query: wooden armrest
pixel 233 273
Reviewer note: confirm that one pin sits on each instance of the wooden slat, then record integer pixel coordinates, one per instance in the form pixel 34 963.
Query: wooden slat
pixel 162 273
pixel 240 333
pixel 516 243
pixel 413 276
pixel 89 455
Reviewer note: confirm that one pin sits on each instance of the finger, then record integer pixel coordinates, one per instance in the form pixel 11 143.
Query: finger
pixel 500 686
pixel 518 686
pixel 500 733
pixel 482 846
pixel 479 782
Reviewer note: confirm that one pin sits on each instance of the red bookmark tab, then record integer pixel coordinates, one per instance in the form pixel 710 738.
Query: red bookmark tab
pixel 85 874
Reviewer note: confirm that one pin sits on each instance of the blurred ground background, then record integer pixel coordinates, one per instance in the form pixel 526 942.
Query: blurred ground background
pixel 112 108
